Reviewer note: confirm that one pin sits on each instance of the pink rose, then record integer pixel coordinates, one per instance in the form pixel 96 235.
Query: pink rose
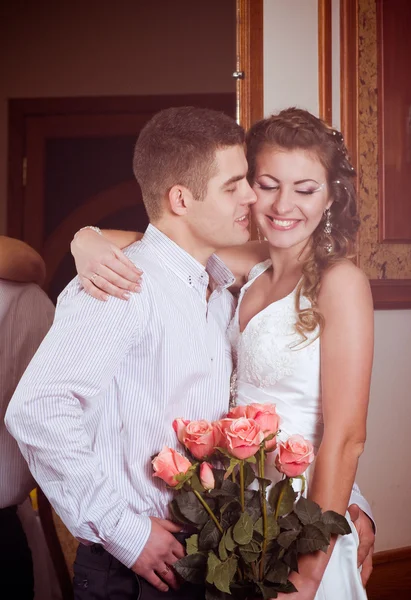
pixel 264 414
pixel 223 425
pixel 243 436
pixel 200 437
pixel 179 426
pixel 168 463
pixel 294 456
pixel 239 411
pixel 207 476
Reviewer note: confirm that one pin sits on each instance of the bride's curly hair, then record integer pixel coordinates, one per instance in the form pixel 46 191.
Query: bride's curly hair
pixel 297 129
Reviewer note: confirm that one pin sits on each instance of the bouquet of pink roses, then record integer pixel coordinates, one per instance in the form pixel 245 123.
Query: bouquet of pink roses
pixel 246 541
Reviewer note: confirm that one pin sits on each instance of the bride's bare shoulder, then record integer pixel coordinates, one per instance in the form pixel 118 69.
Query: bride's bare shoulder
pixel 344 283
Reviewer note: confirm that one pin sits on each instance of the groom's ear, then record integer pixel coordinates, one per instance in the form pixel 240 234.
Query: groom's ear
pixel 180 199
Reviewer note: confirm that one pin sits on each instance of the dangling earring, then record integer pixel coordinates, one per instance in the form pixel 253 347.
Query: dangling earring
pixel 260 237
pixel 328 246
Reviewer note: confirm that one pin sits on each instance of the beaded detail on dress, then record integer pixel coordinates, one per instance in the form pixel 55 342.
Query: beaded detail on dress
pixel 268 349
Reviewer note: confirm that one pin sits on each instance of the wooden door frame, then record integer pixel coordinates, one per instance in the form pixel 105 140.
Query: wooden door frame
pixel 22 109
pixel 388 293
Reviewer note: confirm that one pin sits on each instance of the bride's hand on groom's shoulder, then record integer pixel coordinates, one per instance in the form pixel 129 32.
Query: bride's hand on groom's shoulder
pixel 160 553
pixel 102 267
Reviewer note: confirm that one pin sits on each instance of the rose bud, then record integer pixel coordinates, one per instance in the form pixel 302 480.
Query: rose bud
pixel 294 456
pixel 207 476
pixel 168 463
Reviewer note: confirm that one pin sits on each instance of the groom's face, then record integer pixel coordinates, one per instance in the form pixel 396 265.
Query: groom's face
pixel 221 219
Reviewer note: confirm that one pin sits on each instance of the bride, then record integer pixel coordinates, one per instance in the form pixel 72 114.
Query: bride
pixel 302 333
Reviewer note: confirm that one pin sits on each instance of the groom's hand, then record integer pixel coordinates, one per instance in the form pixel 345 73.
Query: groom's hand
pixel 366 534
pixel 160 553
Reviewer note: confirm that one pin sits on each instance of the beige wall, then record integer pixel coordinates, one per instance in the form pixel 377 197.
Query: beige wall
pixel 131 47
pixel 290 54
pixel 383 474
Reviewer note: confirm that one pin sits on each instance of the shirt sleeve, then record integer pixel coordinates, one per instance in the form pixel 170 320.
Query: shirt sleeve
pixel 357 498
pixel 76 362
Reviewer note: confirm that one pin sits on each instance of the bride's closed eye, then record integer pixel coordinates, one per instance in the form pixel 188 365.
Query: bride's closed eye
pixel 275 188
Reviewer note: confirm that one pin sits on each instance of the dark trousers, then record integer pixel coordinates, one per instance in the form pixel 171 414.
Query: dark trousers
pixel 16 566
pixel 100 576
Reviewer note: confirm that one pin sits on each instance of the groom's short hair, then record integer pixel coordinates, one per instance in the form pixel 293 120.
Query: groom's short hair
pixel 177 147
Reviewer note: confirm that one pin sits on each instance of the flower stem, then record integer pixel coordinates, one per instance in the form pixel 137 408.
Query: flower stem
pixel 208 509
pixel 280 497
pixel 263 511
pixel 242 500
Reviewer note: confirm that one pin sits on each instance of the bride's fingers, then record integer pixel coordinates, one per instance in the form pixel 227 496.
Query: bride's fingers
pixel 102 281
pixel 117 280
pixel 131 270
pixel 92 290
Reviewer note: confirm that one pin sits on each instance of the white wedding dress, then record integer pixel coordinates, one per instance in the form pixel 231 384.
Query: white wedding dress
pixel 271 368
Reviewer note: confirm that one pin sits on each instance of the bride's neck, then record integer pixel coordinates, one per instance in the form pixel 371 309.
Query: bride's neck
pixel 287 262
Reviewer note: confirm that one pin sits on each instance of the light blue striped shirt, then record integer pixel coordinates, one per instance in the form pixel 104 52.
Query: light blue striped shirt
pixel 100 395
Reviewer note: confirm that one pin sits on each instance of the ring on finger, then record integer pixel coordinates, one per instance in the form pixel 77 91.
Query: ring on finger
pixel 94 277
pixel 165 571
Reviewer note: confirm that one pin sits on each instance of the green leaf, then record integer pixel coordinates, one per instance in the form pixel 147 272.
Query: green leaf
pixel 209 536
pixel 212 563
pixel 222 577
pixel 282 490
pixel 324 529
pixel 222 550
pixel 192 544
pixel 232 567
pixel 278 572
pixel 233 463
pixel 273 529
pixel 249 556
pixel 286 538
pixel 243 529
pixel 311 539
pixel 196 484
pixel 335 523
pixel 218 476
pixel 192 568
pixel 291 558
pixel 267 591
pixel 307 511
pixel 264 481
pixel 229 541
pixel 213 594
pixel 249 474
pixel 290 522
pixel 228 488
pixel 287 588
pixel 191 508
pixel 258 526
pixel 176 514
pixel 251 459
pixel 253 504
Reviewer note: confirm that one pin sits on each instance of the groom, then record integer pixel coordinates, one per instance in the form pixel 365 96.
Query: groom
pixel 101 393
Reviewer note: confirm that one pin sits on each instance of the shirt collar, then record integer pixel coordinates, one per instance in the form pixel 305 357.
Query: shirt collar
pixel 185 266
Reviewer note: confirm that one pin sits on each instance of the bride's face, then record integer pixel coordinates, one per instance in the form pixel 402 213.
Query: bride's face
pixel 292 195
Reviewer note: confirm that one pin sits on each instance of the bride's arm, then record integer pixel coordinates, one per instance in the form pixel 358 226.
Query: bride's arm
pixel 346 361
pixel 19 262
pixel 102 267
pixel 101 255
